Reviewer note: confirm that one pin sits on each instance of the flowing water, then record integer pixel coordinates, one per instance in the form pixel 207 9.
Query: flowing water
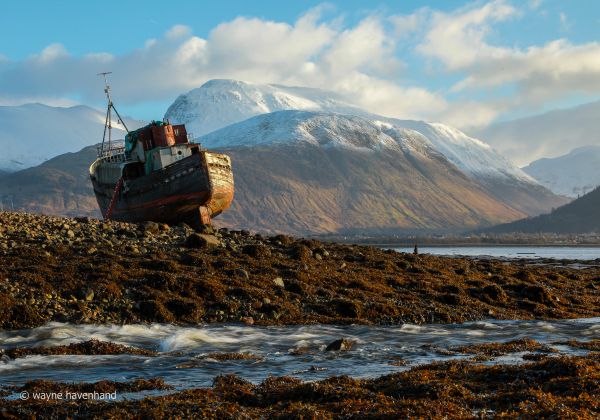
pixel 182 360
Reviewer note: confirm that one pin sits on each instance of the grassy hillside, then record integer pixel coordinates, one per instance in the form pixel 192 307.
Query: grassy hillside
pixel 59 186
pixel 579 216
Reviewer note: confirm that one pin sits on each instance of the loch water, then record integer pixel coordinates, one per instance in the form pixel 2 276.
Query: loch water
pixel 558 253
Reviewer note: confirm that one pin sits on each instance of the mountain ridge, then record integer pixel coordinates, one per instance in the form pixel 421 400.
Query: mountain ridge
pixel 550 134
pixel 33 133
pixel 580 216
pixel 572 175
pixel 222 102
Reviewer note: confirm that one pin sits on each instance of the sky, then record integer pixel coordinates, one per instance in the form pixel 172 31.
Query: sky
pixel 466 63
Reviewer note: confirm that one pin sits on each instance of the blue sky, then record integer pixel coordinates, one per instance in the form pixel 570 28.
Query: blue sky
pixel 468 63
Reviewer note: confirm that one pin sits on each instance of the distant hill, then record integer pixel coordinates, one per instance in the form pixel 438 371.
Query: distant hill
pixel 579 216
pixel 551 134
pixel 572 175
pixel 34 133
pixel 59 186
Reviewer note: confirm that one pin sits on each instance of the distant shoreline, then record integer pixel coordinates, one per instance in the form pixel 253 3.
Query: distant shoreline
pixel 478 245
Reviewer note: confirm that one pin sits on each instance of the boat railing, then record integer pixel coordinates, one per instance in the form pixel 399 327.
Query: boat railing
pixel 115 152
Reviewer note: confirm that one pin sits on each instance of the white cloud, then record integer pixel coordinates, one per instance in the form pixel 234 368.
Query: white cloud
pixel 407 25
pixel 458 39
pixel 535 75
pixel 361 62
pixel 178 31
pixel 358 62
pixel 51 53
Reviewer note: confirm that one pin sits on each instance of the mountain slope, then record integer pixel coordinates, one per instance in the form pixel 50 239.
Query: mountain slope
pixel 579 216
pixel 34 133
pixel 314 172
pixel 573 174
pixel 311 173
pixel 218 103
pixel 59 186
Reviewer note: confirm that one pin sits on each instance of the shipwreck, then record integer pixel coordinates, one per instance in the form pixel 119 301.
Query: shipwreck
pixel 159 174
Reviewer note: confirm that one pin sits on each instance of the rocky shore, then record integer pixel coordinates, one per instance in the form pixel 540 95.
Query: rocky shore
pixel 555 387
pixel 93 272
pixel 87 271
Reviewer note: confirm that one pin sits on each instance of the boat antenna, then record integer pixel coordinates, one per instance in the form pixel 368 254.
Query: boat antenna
pixel 110 107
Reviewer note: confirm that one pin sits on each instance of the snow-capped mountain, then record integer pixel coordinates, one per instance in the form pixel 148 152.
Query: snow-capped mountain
pixel 306 172
pixel 471 155
pixel 219 103
pixel 324 129
pixel 572 175
pixel 34 133
pixel 314 172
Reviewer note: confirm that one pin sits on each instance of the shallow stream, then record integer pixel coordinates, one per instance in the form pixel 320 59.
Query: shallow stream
pixel 182 360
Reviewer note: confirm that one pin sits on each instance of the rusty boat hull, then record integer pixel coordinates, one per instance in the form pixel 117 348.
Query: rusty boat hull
pixel 192 190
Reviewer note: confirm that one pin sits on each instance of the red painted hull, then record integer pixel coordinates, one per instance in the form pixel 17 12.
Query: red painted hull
pixel 199 185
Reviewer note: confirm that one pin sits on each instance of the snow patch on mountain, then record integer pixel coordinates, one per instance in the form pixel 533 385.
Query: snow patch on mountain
pixel 219 103
pixel 574 174
pixel 324 129
pixel 471 155
pixel 34 133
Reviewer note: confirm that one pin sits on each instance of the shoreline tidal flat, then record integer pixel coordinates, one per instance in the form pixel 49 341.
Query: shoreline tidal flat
pixel 85 271
pixel 565 387
pixel 88 271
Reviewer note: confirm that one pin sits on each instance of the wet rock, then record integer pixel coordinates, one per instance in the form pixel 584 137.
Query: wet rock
pixel 198 240
pixel 282 239
pixel 153 310
pixel 347 308
pixel 256 251
pixel 302 253
pixel 206 230
pixel 343 344
pixel 537 294
pixel 88 295
pixel 90 347
pixel 248 320
pixel 150 228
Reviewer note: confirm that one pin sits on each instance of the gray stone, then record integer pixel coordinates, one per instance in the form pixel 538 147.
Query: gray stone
pixel 198 240
pixel 343 344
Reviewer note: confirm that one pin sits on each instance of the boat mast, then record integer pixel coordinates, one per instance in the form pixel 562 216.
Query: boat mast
pixel 108 121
